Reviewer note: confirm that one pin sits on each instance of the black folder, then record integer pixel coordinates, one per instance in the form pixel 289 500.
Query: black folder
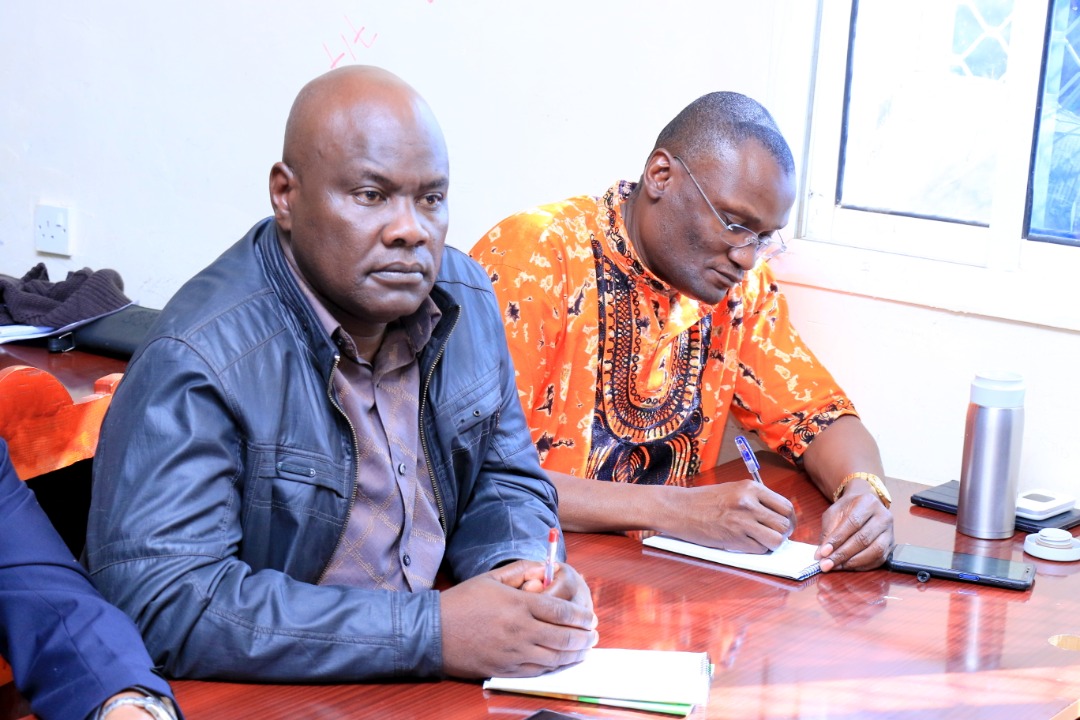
pixel 117 334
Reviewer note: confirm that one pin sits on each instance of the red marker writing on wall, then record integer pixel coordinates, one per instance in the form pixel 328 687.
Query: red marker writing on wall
pixel 553 549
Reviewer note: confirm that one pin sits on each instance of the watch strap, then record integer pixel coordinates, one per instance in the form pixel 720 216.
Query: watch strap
pixel 153 705
pixel 872 480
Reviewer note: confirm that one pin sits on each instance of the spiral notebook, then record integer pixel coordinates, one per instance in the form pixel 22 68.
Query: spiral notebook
pixel 664 681
pixel 793 560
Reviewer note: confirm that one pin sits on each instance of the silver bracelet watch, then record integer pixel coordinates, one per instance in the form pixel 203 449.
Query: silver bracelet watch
pixel 150 703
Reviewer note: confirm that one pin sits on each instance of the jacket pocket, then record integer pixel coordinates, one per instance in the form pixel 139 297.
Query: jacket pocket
pixel 294 483
pixel 296 503
pixel 472 415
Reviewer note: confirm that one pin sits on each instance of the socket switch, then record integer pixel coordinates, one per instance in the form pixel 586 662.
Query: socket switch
pixel 51 232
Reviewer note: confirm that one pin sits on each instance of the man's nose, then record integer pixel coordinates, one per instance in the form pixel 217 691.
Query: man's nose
pixel 744 257
pixel 407 224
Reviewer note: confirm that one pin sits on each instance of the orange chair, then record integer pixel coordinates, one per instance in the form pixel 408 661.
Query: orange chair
pixel 45 429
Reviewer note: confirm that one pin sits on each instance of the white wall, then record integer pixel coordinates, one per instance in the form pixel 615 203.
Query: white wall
pixel 156 123
pixel 909 371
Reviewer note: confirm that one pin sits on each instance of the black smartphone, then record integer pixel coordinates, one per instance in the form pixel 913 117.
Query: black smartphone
pixel 962 566
pixel 552 715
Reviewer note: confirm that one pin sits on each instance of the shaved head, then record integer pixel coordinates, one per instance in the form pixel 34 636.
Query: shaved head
pixel 360 197
pixel 721 121
pixel 319 108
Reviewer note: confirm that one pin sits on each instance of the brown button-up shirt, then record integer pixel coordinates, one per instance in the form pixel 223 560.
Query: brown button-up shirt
pixel 393 539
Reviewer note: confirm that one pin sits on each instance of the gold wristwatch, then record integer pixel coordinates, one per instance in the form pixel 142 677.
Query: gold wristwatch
pixel 875 484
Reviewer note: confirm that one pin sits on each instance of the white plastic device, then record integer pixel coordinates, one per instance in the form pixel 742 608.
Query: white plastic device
pixel 1053 544
pixel 1039 504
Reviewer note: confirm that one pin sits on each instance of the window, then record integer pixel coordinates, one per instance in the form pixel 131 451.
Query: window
pixel 944 156
pixel 922 83
pixel 1055 181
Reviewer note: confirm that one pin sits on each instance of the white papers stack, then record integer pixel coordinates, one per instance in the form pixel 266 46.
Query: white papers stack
pixel 657 680
pixel 11 333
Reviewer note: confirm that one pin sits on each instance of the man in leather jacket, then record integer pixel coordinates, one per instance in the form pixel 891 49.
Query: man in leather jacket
pixel 324 417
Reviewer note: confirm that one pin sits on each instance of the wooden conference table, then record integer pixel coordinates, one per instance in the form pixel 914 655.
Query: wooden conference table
pixel 845 645
pixel 842 645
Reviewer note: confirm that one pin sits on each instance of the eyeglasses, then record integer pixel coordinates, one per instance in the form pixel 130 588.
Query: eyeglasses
pixel 738 236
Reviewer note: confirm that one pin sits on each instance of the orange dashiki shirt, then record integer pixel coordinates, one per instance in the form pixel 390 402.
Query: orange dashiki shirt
pixel 623 378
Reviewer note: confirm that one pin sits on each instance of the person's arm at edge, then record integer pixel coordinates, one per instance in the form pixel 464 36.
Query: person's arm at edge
pixel 38 576
pixel 857 530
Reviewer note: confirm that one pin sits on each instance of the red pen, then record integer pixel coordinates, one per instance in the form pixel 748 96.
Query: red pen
pixel 553 549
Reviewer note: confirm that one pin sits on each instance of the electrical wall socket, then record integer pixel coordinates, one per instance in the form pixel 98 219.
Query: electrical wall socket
pixel 51 232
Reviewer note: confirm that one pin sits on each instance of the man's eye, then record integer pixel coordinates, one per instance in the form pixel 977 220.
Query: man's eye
pixel 432 200
pixel 368 197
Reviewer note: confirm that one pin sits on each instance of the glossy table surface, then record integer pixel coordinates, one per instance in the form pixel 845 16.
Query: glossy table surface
pixel 844 645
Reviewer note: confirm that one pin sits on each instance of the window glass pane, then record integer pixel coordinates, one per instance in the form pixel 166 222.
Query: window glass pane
pixel 926 83
pixel 1055 182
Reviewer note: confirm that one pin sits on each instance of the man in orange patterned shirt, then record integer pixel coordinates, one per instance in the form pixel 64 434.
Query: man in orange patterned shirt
pixel 638 321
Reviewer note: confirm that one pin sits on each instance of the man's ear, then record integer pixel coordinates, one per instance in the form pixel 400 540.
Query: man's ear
pixel 282 184
pixel 656 178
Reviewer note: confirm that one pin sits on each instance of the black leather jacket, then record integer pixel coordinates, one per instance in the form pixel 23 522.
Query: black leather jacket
pixel 226 469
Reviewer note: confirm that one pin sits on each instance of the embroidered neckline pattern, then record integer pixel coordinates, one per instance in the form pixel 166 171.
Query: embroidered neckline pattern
pixel 636 437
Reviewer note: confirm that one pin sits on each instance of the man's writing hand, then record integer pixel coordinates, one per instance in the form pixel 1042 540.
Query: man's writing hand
pixel 743 516
pixel 856 533
pixel 491 627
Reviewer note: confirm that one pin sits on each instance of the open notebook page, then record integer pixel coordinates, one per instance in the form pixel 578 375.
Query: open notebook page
pixel 794 560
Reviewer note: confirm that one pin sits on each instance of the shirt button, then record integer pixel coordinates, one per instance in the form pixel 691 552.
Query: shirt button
pixel 401 468
pixel 406 560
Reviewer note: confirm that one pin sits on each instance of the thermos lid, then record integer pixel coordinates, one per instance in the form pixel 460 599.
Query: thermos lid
pixel 998 389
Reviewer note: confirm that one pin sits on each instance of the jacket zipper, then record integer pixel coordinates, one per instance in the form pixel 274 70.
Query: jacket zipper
pixel 356 471
pixel 423 436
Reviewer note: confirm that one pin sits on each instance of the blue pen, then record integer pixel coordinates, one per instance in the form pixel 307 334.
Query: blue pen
pixel 749 458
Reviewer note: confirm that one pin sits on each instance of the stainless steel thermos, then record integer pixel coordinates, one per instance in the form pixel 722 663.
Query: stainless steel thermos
pixel 990 470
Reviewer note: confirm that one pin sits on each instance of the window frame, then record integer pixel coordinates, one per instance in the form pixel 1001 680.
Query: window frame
pixel 990 271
